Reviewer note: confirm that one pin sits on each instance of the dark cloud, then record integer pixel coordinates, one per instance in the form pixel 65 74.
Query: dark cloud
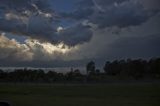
pixel 123 15
pixel 26 17
pixel 45 64
pixel 105 3
pixel 37 19
pixel 151 4
pixel 23 5
pixel 135 47
pixel 79 33
pixel 107 13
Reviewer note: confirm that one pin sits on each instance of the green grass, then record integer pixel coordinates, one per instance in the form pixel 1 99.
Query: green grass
pixel 81 95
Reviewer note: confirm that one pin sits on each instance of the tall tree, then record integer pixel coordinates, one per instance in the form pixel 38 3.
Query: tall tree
pixel 90 67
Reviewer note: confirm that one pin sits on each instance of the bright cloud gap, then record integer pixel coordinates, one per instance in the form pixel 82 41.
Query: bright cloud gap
pixel 31 49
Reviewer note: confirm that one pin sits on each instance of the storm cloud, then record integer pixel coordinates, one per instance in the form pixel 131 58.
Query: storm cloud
pixel 42 32
pixel 112 13
pixel 135 47
pixel 37 19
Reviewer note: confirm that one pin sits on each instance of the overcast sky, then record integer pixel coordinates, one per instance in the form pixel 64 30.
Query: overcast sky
pixel 56 33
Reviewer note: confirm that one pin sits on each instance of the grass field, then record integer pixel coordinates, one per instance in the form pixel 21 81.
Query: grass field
pixel 81 95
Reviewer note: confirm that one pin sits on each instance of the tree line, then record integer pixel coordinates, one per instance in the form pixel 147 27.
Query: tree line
pixel 116 70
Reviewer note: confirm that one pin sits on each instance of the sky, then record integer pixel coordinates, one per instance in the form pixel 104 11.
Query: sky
pixel 66 33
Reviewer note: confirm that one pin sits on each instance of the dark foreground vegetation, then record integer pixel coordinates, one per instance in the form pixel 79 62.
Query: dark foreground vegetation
pixel 113 71
pixel 25 87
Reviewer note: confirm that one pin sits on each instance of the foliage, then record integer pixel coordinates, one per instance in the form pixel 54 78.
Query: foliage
pixel 124 69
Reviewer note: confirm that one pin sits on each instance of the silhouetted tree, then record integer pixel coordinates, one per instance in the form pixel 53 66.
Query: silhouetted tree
pixel 134 69
pixel 97 71
pixel 90 67
pixel 154 69
pixel 106 67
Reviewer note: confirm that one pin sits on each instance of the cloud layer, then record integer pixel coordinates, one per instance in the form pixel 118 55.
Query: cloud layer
pixel 30 50
pixel 37 19
pixel 12 50
pixel 92 29
pixel 115 13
